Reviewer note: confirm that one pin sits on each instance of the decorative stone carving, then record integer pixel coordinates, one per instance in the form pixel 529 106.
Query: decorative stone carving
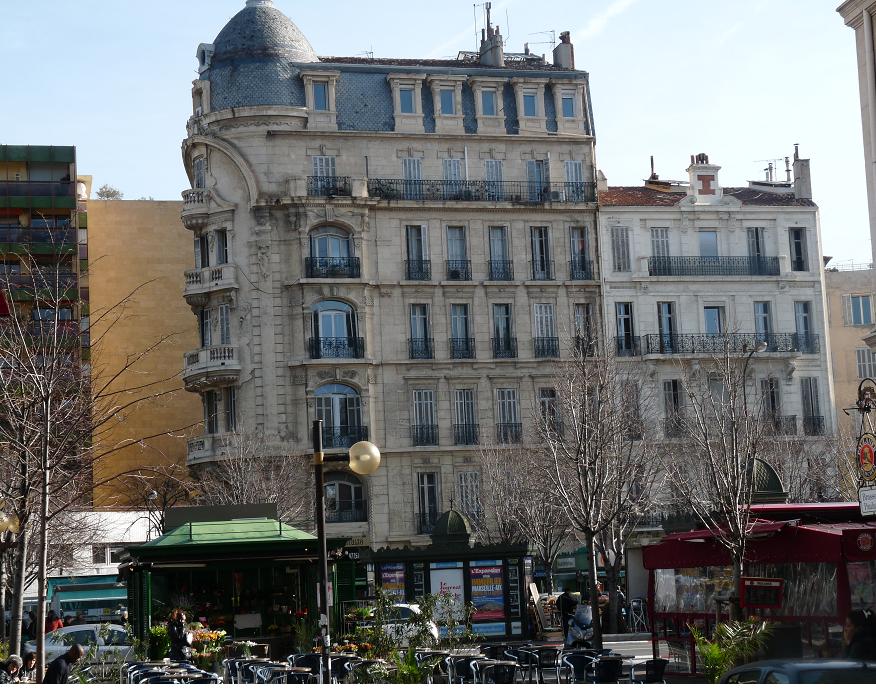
pixel 350 374
pixel 324 374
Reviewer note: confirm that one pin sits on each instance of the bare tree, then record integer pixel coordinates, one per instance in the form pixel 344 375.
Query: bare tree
pixel 107 191
pixel 713 471
pixel 522 510
pixel 601 465
pixel 252 470
pixel 158 488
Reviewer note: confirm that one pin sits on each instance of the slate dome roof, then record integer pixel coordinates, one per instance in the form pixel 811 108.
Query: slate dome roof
pixel 260 30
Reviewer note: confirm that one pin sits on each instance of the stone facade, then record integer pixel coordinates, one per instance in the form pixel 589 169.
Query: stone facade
pixel 350 264
pixel 692 268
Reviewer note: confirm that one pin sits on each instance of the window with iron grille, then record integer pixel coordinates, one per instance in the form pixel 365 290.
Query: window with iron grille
pixel 468 493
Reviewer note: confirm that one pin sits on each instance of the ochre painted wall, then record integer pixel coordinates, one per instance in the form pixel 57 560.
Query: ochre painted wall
pixel 140 248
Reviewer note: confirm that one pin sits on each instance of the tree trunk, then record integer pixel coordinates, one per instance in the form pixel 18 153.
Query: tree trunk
pixel 611 589
pixel 18 590
pixel 589 543
pixel 735 608
pixel 549 576
pixel 41 573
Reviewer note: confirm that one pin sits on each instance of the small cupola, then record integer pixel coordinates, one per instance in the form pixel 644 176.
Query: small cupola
pixel 704 185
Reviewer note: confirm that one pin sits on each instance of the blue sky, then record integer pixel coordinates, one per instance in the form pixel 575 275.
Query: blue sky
pixel 742 81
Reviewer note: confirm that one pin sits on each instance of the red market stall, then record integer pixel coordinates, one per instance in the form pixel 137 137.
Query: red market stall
pixel 807 567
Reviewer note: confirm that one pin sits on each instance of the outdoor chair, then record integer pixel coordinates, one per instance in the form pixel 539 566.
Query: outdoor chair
pixel 548 659
pixel 146 675
pixel 577 666
pixel 231 666
pixel 491 672
pixel 527 662
pixel 460 670
pixel 289 677
pixel 312 661
pixel 608 670
pixel 208 679
pixel 249 669
pixel 265 671
pixel 655 668
pixel 158 681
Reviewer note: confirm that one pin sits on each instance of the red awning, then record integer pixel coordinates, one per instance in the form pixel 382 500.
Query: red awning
pixel 758 527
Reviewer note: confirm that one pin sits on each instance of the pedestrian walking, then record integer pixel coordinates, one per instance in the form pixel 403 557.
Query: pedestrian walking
pixel 566 604
pixel 180 637
pixel 59 670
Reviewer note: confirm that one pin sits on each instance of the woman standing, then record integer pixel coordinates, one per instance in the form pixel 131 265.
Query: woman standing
pixel 180 637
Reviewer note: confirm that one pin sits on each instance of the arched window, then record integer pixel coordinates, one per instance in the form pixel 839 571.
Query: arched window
pixel 344 498
pixel 335 332
pixel 331 254
pixel 340 408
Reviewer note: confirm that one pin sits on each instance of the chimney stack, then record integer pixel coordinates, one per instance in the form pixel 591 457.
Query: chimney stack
pixel 802 180
pixel 704 180
pixel 492 51
pixel 564 53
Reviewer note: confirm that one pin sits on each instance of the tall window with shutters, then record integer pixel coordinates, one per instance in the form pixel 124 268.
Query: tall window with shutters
pixel 660 242
pixel 412 172
pixel 425 430
pixel 858 310
pixel 224 324
pixel 620 249
pixel 468 494
pixel 508 429
pixel 866 361
pixel 493 176
pixel 574 187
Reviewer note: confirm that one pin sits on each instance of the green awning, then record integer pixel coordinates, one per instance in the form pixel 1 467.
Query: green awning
pixel 230 532
pixel 115 595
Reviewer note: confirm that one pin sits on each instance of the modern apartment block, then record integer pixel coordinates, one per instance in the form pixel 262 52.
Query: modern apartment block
pixel 393 246
pixel 692 269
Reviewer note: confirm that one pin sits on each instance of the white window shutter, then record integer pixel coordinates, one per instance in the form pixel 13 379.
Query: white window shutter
pixel 847 310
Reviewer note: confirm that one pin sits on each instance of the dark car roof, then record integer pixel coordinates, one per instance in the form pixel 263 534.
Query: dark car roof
pixel 790 665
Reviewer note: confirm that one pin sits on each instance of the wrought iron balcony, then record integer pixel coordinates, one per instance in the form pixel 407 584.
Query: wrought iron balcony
pixel 343 516
pixel 813 426
pixel 343 436
pixel 336 347
pixel 424 435
pixel 780 425
pixel 328 186
pixel 501 270
pixel 38 241
pixel 40 280
pixel 585 345
pixel 504 348
pixel 418 270
pixel 420 349
pixel 426 521
pixel 546 347
pixel 581 269
pixel 807 343
pixel 732 343
pixel 515 191
pixel 713 266
pixel 509 433
pixel 458 270
pixel 332 268
pixel 627 346
pixel 466 434
pixel 462 349
pixel 542 270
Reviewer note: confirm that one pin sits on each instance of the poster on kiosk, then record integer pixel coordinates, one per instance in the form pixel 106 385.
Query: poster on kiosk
pixel 447 577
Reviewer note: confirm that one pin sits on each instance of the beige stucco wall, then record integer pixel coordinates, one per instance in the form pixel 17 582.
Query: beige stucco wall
pixel 141 249
pixel 845 339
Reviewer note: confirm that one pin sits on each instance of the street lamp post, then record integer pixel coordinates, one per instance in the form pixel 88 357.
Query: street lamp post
pixel 364 459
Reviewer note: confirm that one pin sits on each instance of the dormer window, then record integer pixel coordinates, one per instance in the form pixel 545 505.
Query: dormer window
pixel 406 100
pixel 530 104
pixel 569 103
pixel 447 97
pixel 319 93
pixel 320 96
pixel 568 100
pixel 488 102
pixel 530 109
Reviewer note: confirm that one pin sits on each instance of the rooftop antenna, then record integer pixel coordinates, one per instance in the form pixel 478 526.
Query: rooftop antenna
pixel 474 9
pixel 772 165
pixel 507 28
pixel 552 42
pixel 368 53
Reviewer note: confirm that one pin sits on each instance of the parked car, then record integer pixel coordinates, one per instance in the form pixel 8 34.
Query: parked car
pixel 803 671
pixel 111 640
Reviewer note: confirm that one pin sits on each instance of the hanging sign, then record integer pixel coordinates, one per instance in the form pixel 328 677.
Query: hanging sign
pixel 867 457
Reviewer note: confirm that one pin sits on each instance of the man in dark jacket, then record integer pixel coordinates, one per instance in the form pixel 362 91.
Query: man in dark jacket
pixel 59 669
pixel 566 604
pixel 859 635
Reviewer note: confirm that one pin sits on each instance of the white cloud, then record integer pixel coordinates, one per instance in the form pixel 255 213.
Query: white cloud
pixel 598 23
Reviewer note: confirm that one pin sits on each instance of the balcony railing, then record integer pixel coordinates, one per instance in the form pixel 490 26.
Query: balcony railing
pixel 424 435
pixel 813 426
pixel 332 268
pixel 509 433
pixel 542 270
pixel 627 346
pixel 585 345
pixel 35 188
pixel 223 276
pixel 343 435
pixel 41 280
pixel 209 365
pixel 713 266
pixel 336 347
pixel 458 270
pixel 421 349
pixel 581 269
pixel 732 343
pixel 418 270
pixel 546 347
pixel 342 516
pixel 328 186
pixel 504 347
pixel 39 240
pixel 516 191
pixel 501 270
pixel 780 425
pixel 426 521
pixel 466 434
pixel 461 349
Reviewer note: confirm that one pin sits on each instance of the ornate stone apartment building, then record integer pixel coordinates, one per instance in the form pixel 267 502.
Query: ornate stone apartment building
pixel 692 268
pixel 394 246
